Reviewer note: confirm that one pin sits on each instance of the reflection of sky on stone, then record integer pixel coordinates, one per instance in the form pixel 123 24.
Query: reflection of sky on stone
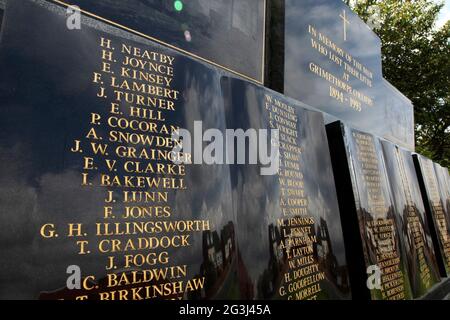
pixel 390 117
pixel 431 182
pixel 216 27
pixel 400 111
pixel 394 155
pixel 18 202
pixel 391 159
pixel 384 176
pixel 358 176
pixel 447 179
pixel 429 176
pixel 55 198
pixel 327 21
pixel 209 197
pixel 319 179
pixel 41 179
pixel 416 193
pixel 259 202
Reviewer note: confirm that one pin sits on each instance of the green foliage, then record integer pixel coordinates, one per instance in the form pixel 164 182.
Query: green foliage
pixel 416 60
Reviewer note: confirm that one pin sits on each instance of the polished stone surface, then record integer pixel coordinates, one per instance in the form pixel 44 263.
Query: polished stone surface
pixel 288 225
pixel 229 33
pixel 371 226
pixel 50 96
pixel 447 173
pixel 436 212
pixel 421 260
pixel 398 112
pixel 447 179
pixel 332 62
pixel 2 7
pixel 444 188
pixel 440 291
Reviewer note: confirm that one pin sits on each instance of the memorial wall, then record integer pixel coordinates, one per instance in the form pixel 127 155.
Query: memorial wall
pixel 88 166
pixel 288 226
pixel 127 168
pixel 331 61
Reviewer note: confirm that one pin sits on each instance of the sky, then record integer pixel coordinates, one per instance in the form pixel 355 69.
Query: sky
pixel 444 15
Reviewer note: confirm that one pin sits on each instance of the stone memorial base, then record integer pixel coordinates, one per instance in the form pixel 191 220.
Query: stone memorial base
pixel 440 291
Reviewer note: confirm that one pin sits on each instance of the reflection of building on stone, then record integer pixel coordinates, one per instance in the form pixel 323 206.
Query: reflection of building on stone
pixel 395 236
pixel 218 253
pixel 322 252
pixel 419 255
pixel 327 259
pixel 375 245
pixel 369 239
pixel 325 254
pixel 269 280
pixel 218 260
pixel 276 252
pixel 212 253
pixel 413 228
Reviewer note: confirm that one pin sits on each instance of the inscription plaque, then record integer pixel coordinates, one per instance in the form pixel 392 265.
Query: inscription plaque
pixel 421 261
pixel 288 227
pixel 207 29
pixel 331 61
pixel 435 210
pixel 444 188
pixel 447 180
pixel 340 62
pixel 372 230
pixel 88 182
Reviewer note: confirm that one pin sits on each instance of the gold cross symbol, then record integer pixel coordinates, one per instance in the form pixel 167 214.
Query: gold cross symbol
pixel 344 18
